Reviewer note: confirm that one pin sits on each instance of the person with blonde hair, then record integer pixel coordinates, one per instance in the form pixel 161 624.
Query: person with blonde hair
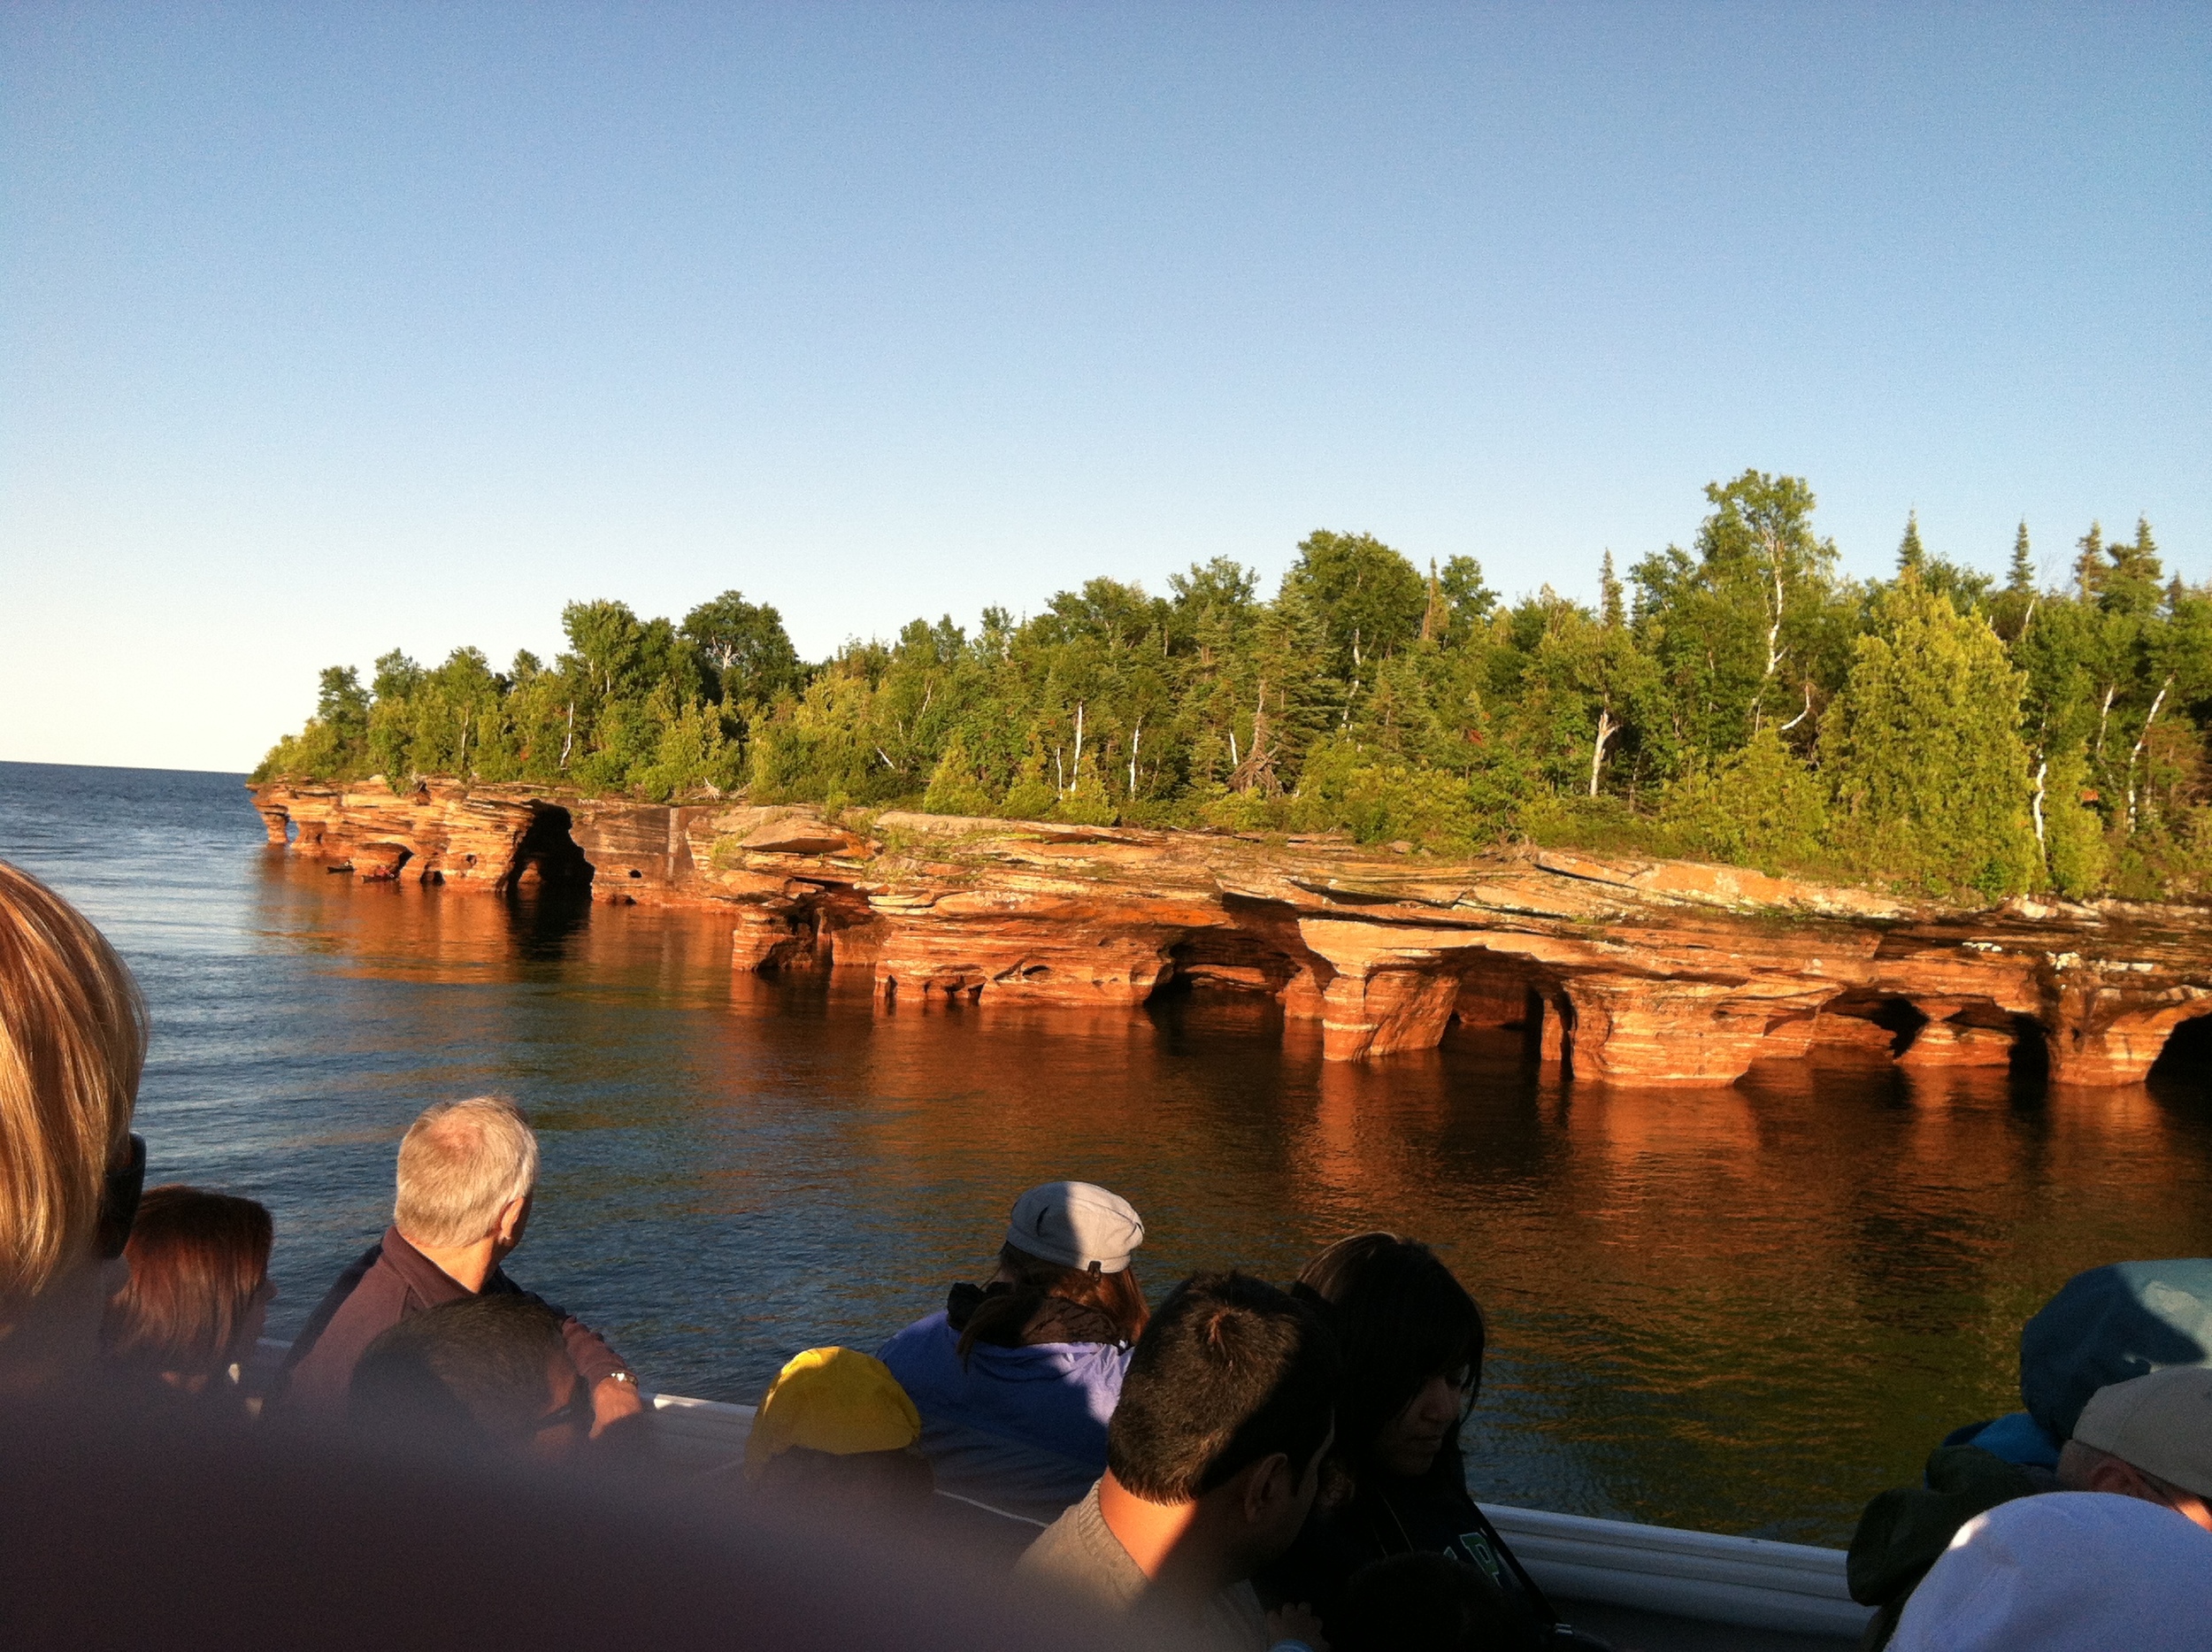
pixel 467 1172
pixel 72 1042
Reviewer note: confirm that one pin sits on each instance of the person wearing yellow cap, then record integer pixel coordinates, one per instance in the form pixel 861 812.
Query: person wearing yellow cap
pixel 1016 1378
pixel 836 1423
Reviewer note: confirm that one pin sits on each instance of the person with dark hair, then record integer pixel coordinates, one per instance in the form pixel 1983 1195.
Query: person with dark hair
pixel 1212 1461
pixel 485 1376
pixel 199 1291
pixel 1016 1378
pixel 1413 1344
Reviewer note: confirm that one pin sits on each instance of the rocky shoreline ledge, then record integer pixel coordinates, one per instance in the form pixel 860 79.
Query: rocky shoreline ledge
pixel 1635 973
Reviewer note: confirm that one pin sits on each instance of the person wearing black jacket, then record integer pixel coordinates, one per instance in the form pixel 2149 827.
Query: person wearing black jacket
pixel 1412 1340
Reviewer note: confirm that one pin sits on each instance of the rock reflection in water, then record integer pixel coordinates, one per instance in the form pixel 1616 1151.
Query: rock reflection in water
pixel 1743 1308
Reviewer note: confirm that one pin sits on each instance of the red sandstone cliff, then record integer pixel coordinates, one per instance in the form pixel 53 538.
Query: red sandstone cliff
pixel 1633 972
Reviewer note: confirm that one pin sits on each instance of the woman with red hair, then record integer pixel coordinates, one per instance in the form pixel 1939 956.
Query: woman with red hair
pixel 199 1293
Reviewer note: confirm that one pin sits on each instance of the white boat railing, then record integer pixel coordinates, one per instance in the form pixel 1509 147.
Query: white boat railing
pixel 1749 1582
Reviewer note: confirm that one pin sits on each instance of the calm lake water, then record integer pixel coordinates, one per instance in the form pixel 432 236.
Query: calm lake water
pixel 1745 1309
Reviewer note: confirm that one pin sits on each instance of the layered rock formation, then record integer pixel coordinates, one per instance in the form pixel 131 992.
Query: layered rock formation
pixel 1629 973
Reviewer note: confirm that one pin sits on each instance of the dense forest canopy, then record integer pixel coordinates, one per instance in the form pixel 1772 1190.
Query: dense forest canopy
pixel 1740 701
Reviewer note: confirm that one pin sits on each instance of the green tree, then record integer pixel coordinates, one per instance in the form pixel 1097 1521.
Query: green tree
pixel 1366 597
pixel 956 787
pixel 1761 806
pixel 1586 689
pixel 745 647
pixel 1911 559
pixel 1466 601
pixel 2013 609
pixel 1750 629
pixel 2132 575
pixel 1924 748
pixel 2089 563
pixel 1030 796
pixel 607 642
pixel 1086 803
pixel 2073 832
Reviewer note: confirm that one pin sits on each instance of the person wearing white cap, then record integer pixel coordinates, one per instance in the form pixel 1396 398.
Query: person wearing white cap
pixel 2067 1571
pixel 1016 1378
pixel 2150 1438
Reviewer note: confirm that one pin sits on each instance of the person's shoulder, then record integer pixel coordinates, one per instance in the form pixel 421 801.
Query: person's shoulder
pixel 1080 1552
pixel 1053 1547
pixel 2114 1570
pixel 928 1328
pixel 928 1335
pixel 2015 1437
pixel 381 1291
pixel 1105 1358
pixel 1077 1367
pixel 367 1299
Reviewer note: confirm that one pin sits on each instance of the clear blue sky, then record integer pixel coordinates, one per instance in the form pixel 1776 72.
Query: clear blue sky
pixel 328 328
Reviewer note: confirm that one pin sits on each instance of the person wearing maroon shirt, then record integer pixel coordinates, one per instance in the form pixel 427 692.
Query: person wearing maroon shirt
pixel 467 1173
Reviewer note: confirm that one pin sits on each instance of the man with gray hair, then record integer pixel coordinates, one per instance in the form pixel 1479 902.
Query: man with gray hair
pixel 467 1173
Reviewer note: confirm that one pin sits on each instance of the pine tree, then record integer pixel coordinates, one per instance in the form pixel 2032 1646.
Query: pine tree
pixel 1910 558
pixel 955 788
pixel 2012 610
pixel 2020 578
pixel 2089 564
pixel 1086 803
pixel 2132 582
pixel 1924 751
pixel 1030 796
pixel 1613 611
pixel 1436 619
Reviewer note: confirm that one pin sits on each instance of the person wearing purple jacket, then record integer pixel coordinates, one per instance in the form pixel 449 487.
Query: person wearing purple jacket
pixel 467 1171
pixel 1016 1378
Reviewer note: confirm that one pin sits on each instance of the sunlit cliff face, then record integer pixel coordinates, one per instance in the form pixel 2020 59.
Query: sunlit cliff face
pixel 1636 972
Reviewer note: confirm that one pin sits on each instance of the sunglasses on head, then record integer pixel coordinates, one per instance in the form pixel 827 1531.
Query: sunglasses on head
pixel 119 1201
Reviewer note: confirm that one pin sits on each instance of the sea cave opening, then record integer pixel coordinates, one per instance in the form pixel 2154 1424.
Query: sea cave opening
pixel 1226 961
pixel 2187 1057
pixel 2030 1061
pixel 548 860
